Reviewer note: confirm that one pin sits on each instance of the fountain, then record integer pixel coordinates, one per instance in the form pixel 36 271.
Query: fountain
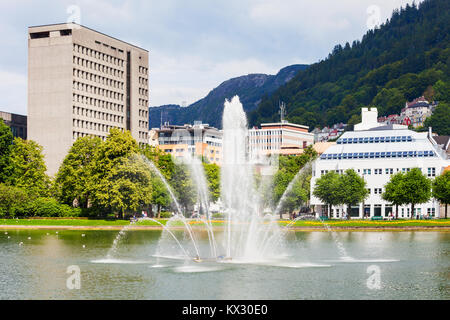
pixel 248 235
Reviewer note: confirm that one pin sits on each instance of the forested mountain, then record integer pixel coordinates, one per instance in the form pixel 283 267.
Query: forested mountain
pixel 402 59
pixel 250 88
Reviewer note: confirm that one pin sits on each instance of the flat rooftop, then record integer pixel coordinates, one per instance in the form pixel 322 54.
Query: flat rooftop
pixel 73 25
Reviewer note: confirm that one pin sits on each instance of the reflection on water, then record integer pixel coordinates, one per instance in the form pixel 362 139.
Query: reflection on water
pixel 413 265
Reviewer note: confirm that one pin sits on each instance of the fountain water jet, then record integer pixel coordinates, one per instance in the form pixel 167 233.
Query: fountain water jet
pixel 250 236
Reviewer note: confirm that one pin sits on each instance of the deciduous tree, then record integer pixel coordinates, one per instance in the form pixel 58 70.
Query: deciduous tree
pixel 441 189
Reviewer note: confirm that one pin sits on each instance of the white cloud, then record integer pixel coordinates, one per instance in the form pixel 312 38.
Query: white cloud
pixel 193 45
pixel 13 92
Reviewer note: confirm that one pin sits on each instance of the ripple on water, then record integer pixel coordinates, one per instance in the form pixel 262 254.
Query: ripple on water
pixel 120 261
pixel 196 268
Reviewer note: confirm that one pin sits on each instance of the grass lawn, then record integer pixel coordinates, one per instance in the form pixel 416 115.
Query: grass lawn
pixel 71 222
pixel 370 223
pixel 313 223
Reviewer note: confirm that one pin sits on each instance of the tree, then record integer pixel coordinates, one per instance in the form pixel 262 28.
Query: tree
pixel 110 178
pixel 74 175
pixel 352 189
pixel 394 191
pixel 298 194
pixel 355 119
pixel 212 173
pixel 389 101
pixel 326 189
pixel 126 187
pixel 416 188
pixel 160 194
pixel 6 140
pixel 13 201
pixel 289 168
pixel 441 189
pixel 183 187
pixel 162 160
pixel 27 168
pixel 440 119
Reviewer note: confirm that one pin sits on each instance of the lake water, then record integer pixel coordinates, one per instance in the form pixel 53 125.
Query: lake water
pixel 382 265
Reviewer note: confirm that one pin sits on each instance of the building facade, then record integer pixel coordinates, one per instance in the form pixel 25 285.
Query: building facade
pixel 17 123
pixel 198 139
pixel 275 137
pixel 82 82
pixel 416 112
pixel 376 153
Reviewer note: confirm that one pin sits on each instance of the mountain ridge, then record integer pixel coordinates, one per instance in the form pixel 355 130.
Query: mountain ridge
pixel 250 88
pixel 404 58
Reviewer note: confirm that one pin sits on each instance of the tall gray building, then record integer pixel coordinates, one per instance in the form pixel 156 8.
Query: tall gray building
pixel 82 82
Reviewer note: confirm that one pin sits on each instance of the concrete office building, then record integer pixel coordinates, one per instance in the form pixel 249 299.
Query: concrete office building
pixel 83 82
pixel 376 152
pixel 273 138
pixel 17 123
pixel 199 140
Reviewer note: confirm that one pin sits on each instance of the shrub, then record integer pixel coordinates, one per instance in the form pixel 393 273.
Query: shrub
pixel 166 215
pixel 46 207
pixel 218 216
pixel 13 201
pixel 69 212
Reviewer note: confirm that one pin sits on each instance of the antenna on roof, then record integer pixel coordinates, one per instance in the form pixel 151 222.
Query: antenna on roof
pixel 282 111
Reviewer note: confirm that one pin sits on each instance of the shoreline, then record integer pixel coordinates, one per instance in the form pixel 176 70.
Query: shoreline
pixel 219 228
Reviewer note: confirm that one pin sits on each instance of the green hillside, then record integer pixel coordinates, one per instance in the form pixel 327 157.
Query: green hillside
pixel 402 59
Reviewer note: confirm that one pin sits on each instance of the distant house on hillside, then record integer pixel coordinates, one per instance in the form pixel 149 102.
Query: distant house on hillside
pixel 416 111
pixel 390 119
pixel 329 133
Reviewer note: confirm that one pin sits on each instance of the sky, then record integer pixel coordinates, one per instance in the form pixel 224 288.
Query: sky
pixel 194 45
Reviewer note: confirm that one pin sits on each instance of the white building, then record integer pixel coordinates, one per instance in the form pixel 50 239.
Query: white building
pixel 273 137
pixel 376 152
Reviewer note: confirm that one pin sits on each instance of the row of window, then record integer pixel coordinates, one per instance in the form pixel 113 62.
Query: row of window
pixel 259 141
pixel 99 55
pixel 143 102
pixel 143 124
pixel 404 212
pixel 101 104
pixel 77 135
pixel 375 190
pixel 374 139
pixel 143 135
pixel 80 86
pixel 80 62
pixel 94 102
pixel 143 81
pixel 98 79
pixel 371 155
pixel 417 211
pixel 99 115
pixel 92 126
pixel 143 92
pixel 143 113
pixel 431 172
pixel 143 70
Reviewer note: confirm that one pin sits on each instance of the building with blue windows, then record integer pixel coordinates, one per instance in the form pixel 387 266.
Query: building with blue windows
pixel 376 151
